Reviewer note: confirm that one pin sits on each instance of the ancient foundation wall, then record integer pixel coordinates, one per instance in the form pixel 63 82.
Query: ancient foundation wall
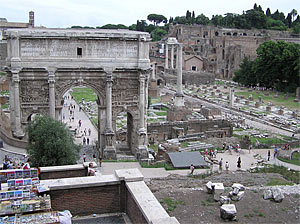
pixel 164 130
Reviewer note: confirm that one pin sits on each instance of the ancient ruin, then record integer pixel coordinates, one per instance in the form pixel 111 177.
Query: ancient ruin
pixel 43 64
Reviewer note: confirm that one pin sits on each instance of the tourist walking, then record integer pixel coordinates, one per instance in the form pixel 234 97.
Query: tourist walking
pixel 239 161
pixel 84 140
pixel 215 152
pixel 249 148
pixel 221 164
pixel 227 166
pixel 88 141
pixel 84 157
pixel 89 132
pixel 100 160
pixel 269 154
pixel 79 123
pixel 192 168
pixel 275 152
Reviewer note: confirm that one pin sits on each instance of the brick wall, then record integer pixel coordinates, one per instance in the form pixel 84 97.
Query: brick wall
pixel 133 211
pixel 89 200
pixel 63 174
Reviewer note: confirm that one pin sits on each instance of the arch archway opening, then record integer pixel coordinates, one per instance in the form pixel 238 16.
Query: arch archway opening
pixel 124 133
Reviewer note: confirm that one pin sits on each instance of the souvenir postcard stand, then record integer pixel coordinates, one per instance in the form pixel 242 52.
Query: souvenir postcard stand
pixel 21 197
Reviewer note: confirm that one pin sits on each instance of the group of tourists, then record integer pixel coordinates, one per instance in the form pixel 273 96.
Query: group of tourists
pixel 14 163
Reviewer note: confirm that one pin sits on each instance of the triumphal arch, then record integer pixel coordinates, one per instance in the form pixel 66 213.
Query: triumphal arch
pixel 43 64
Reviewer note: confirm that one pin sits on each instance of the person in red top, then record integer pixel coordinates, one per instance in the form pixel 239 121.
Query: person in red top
pixel 26 166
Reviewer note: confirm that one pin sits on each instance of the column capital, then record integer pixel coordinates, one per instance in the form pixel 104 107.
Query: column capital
pixel 109 77
pixel 51 78
pixel 15 76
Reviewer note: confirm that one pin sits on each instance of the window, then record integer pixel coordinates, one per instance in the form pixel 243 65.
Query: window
pixel 79 51
pixel 194 68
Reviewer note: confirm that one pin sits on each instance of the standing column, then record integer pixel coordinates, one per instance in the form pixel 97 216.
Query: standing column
pixel 18 130
pixel 51 81
pixel 166 57
pixel 153 72
pixel 172 56
pixel 109 151
pixel 179 70
pixel 142 103
pixel 179 98
pixel 108 103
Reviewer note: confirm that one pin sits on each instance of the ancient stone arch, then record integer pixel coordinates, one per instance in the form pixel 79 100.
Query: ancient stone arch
pixel 45 63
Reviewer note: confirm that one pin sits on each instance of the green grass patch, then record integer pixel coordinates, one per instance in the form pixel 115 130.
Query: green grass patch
pixel 154 147
pixel 292 176
pixel 2 73
pixel 277 181
pixel 295 160
pixel 167 166
pixel 155 100
pixel 280 101
pixel 172 204
pixel 4 92
pixel 87 93
pixel 94 121
pixel 184 144
pixel 119 161
pixel 4 106
pixel 161 113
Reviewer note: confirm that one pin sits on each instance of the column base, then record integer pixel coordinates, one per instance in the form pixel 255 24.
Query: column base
pixel 179 100
pixel 18 134
pixel 110 152
pixel 142 152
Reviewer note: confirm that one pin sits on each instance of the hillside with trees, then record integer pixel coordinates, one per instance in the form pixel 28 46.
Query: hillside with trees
pixel 277 66
pixel 253 18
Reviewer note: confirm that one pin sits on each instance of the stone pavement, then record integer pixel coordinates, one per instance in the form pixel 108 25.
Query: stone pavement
pixel 86 124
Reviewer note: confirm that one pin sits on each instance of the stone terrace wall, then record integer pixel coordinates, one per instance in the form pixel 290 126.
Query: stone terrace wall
pixel 125 191
pixel 57 172
pixel 88 200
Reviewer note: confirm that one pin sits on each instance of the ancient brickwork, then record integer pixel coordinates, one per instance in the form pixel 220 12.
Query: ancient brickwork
pixel 221 49
pixel 89 200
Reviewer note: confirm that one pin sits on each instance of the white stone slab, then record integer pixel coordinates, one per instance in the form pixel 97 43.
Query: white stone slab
pixel 170 220
pixel 61 168
pixel 129 175
pixel 81 182
pixel 147 202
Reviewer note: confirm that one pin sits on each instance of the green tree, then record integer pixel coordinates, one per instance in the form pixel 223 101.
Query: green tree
pixel 277 65
pixel 158 33
pixel 202 19
pixel 114 26
pixel 268 12
pixel 294 13
pixel 157 19
pixel 246 74
pixel 50 143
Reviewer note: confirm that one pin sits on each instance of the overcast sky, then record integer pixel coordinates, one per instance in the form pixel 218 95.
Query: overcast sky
pixel 65 13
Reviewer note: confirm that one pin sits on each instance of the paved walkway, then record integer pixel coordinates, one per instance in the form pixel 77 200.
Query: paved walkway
pixel 86 124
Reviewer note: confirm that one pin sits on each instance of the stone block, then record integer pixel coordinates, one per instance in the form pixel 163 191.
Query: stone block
pixel 296 100
pixel 228 212
pixel 209 187
pixel 268 194
pixel 277 194
pixel 257 104
pixel 239 186
pixel 268 108
pixel 224 200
